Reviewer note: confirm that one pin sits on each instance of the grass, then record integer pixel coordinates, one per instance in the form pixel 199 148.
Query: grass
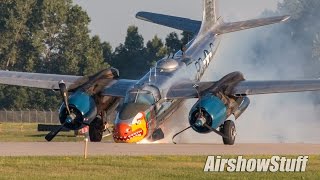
pixel 140 167
pixel 119 167
pixel 27 132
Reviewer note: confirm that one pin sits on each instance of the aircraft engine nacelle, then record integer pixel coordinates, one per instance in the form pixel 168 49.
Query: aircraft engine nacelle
pixel 213 110
pixel 82 107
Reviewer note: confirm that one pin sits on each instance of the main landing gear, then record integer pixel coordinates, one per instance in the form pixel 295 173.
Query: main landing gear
pixel 229 130
pixel 96 130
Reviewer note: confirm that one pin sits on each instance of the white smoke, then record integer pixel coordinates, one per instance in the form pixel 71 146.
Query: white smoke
pixel 291 117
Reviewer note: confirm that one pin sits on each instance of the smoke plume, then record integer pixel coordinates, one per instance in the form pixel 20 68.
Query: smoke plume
pixel 266 53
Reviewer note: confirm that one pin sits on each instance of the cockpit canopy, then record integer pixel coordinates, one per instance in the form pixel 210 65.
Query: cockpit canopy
pixel 139 99
pixel 140 96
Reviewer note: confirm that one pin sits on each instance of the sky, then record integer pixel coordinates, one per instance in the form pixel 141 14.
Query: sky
pixel 110 19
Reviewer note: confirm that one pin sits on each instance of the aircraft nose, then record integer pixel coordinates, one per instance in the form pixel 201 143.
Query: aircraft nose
pixel 123 129
pixel 121 132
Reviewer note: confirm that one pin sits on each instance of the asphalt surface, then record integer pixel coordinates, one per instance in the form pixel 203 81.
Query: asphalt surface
pixel 77 148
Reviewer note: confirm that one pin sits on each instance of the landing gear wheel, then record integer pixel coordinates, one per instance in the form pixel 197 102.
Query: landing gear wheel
pixel 96 130
pixel 228 129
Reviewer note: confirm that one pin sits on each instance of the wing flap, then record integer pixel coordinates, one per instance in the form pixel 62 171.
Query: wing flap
pixel 179 23
pixel 242 25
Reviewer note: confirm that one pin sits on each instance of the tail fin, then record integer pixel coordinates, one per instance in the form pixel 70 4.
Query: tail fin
pixel 210 15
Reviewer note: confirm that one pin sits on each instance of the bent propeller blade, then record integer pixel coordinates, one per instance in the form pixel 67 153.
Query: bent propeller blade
pixel 53 133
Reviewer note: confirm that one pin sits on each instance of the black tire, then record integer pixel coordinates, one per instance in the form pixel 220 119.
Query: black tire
pixel 229 129
pixel 96 130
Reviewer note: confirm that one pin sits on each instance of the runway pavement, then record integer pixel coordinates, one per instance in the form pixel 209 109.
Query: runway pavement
pixel 77 148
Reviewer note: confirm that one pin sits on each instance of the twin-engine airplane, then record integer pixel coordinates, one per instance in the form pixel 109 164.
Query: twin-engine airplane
pixel 147 103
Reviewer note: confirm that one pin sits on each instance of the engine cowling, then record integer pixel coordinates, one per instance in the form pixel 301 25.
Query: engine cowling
pixel 82 107
pixel 213 112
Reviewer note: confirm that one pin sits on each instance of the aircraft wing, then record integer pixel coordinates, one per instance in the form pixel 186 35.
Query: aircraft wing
pixel 37 80
pixel 118 88
pixel 107 86
pixel 267 87
pixel 179 23
pixel 243 88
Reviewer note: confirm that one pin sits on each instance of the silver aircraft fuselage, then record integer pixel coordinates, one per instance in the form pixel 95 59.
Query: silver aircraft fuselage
pixel 135 122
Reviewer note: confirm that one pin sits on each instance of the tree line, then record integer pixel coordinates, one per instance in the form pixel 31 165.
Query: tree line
pixel 46 36
pixel 53 37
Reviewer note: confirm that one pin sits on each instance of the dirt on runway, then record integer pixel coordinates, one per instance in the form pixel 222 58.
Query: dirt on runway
pixel 77 148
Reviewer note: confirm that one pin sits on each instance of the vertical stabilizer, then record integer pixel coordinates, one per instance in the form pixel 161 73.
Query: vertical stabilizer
pixel 210 15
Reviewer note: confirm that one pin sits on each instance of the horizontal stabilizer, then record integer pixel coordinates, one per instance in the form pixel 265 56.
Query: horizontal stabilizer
pixel 242 25
pixel 179 23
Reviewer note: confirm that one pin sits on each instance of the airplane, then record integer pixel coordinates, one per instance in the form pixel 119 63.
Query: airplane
pixel 144 105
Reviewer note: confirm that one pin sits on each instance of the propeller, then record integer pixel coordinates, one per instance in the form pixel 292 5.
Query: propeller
pixel 64 93
pixel 85 84
pixel 54 132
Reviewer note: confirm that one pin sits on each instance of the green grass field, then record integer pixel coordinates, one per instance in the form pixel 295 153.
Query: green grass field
pixel 118 167
pixel 27 132
pixel 125 167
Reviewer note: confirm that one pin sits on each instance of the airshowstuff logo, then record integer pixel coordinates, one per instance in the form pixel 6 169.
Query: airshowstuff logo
pixel 240 164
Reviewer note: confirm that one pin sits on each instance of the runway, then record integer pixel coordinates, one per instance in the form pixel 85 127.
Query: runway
pixel 94 149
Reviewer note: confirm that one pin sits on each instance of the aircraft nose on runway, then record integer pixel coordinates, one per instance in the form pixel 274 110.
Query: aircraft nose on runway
pixel 121 130
pixel 123 133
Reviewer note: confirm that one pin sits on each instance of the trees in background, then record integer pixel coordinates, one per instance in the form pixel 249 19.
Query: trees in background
pixel 133 59
pixel 53 37
pixel 48 37
pixel 130 57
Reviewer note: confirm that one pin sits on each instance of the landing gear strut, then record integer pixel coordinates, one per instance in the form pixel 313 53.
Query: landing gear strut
pixel 229 130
